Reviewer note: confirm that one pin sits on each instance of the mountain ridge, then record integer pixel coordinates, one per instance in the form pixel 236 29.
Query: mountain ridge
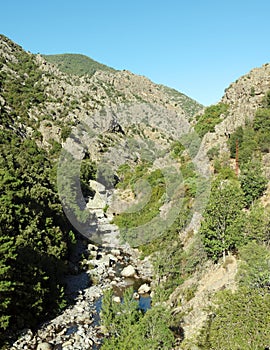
pixel 77 64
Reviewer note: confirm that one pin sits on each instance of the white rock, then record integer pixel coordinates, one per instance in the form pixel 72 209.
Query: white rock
pixel 44 346
pixel 144 288
pixel 128 271
pixel 97 186
pixel 105 260
pixel 115 252
pixel 91 247
pixel 136 296
pixel 117 300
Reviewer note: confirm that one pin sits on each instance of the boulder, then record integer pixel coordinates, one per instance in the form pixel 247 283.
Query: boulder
pixel 136 296
pixel 144 288
pixel 117 300
pixel 44 346
pixel 128 271
pixel 115 252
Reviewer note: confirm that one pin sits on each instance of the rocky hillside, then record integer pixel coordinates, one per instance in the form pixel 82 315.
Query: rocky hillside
pixel 66 99
pixel 243 97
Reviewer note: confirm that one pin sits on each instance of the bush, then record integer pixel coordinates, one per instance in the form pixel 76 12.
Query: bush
pixel 211 117
pixel 253 182
pixel 241 320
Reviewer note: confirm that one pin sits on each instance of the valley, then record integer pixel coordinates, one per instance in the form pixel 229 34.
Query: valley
pixel 132 217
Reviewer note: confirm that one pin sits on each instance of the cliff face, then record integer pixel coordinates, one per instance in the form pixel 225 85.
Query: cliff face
pixel 243 98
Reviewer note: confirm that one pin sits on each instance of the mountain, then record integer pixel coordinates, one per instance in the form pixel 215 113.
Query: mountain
pixel 77 64
pixel 82 65
pixel 89 153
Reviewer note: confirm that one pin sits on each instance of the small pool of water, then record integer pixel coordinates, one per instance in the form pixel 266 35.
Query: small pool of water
pixel 72 329
pixel 145 302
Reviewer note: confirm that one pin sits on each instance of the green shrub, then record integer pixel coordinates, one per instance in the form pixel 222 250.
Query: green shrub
pixel 241 320
pixel 211 117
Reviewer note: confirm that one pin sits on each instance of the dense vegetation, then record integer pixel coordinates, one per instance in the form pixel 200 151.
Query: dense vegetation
pixel 144 214
pixel 34 234
pixel 210 118
pixel 128 327
pixel 77 64
pixel 240 320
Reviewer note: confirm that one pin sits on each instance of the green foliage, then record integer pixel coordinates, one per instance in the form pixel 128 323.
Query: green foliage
pixel 254 271
pixel 177 149
pixel 241 320
pixel 192 143
pixel 235 137
pixel 193 258
pixel 266 100
pixel 211 117
pixel 55 148
pixel 257 227
pixel 213 152
pixel 254 137
pixel 117 316
pixel 171 264
pixel 262 128
pixel 151 208
pixel 87 172
pixel 77 64
pixel 130 329
pixel 248 147
pixel 34 236
pixel 105 175
pixel 154 329
pixel 65 132
pixel 24 89
pixel 73 174
pixel 7 256
pixel 222 226
pixel 253 182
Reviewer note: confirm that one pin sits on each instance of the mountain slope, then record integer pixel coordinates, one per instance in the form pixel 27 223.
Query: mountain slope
pixel 83 65
pixel 77 64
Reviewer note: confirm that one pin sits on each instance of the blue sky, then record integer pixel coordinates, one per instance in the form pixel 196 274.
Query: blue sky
pixel 197 47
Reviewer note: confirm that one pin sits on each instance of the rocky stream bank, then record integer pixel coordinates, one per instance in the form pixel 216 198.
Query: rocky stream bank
pixel 99 268
pixel 93 269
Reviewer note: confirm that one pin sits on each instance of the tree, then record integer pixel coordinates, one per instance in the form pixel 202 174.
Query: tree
pixel 154 329
pixel 7 255
pixel 253 182
pixel 221 229
pixel 118 317
pixel 257 224
pixel 241 320
pixel 254 269
pixel 130 329
pixel 237 136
